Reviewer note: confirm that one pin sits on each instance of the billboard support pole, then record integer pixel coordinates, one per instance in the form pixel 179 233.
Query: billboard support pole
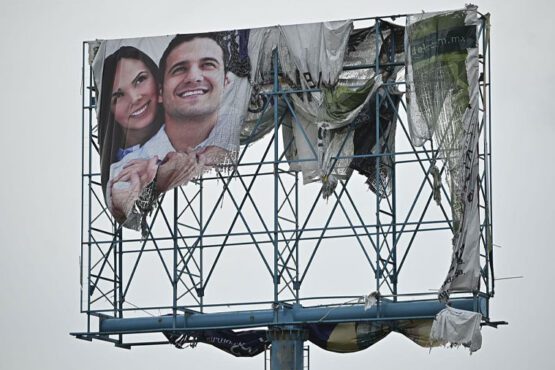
pixel 286 351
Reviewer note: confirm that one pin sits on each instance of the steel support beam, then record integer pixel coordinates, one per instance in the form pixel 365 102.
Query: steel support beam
pixel 287 315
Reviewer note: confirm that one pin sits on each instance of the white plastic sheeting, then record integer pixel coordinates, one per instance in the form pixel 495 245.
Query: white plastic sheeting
pixel 457 327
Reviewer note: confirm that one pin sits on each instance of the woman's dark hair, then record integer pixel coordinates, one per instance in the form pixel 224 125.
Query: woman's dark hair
pixel 111 136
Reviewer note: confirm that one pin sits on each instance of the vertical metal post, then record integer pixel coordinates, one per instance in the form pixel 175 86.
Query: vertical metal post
pixel 489 152
pixel 297 284
pixel 378 159
pixel 287 350
pixel 175 255
pixel 276 174
pixel 120 279
pixel 393 159
pixel 89 170
pixel 115 287
pixel 82 172
pixel 394 223
pixel 201 228
pixel 115 297
pixel 485 183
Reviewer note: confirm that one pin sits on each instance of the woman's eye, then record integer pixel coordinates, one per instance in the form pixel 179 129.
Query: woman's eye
pixel 141 78
pixel 115 96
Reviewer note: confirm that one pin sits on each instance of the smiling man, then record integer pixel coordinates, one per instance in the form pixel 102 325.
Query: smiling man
pixel 193 77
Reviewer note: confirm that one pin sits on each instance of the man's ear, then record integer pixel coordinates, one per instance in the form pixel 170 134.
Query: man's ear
pixel 160 100
pixel 226 79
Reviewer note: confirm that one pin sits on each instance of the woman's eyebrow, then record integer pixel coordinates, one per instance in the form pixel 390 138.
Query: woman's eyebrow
pixel 137 76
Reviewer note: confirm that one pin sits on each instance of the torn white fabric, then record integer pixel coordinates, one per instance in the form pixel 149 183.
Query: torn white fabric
pixel 305 136
pixel 442 103
pixel 464 272
pixel 457 327
pixel 370 300
pixel 313 53
pixel 311 56
pixel 94 46
pixel 259 119
pixel 335 157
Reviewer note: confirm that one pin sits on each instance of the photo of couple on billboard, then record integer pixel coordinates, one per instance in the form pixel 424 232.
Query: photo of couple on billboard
pixel 162 124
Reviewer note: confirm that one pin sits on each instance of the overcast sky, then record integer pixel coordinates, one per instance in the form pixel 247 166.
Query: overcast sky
pixel 40 69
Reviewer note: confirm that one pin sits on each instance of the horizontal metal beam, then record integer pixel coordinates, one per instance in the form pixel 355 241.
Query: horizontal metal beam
pixel 287 315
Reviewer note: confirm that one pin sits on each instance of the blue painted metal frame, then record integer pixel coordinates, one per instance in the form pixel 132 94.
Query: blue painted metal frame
pixel 106 247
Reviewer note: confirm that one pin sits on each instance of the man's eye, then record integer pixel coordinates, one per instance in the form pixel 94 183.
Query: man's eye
pixel 178 70
pixel 210 65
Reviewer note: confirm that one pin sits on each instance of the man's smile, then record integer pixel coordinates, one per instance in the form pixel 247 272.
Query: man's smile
pixel 192 92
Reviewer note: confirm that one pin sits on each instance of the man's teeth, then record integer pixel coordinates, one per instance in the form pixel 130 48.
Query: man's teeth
pixel 140 111
pixel 191 93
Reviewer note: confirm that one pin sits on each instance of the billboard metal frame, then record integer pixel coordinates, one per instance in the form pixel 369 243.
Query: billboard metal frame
pixel 186 218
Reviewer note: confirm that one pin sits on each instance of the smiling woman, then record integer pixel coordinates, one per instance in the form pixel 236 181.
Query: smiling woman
pixel 129 112
pixel 134 97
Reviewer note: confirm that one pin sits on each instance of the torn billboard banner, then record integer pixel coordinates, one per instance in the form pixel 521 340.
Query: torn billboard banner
pixel 345 337
pixel 239 343
pixel 442 105
pixel 170 108
pixel 356 336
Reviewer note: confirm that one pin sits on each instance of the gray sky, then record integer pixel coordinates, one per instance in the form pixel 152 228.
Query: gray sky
pixel 40 191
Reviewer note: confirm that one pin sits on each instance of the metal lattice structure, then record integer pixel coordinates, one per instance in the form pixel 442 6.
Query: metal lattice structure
pixel 259 211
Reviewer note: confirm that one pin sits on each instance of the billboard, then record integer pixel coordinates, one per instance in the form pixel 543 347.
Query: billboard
pixel 173 107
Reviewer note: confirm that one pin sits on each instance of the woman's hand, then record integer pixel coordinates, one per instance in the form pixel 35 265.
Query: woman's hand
pixel 126 187
pixel 145 169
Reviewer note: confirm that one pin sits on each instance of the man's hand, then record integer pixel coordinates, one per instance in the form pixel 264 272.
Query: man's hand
pixel 177 169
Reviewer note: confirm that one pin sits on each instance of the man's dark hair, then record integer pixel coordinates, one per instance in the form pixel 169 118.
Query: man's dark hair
pixel 218 37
